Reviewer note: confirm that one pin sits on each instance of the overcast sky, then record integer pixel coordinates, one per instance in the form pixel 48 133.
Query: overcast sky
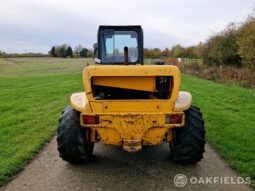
pixel 36 25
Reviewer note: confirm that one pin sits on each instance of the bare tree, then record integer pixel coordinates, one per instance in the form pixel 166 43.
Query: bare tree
pixel 78 48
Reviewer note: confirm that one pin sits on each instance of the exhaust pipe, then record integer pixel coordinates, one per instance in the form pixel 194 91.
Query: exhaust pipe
pixel 126 55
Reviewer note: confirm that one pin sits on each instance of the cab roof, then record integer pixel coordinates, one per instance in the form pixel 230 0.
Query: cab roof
pixel 121 27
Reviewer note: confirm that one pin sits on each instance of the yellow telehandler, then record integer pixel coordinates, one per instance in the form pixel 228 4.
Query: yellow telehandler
pixel 129 104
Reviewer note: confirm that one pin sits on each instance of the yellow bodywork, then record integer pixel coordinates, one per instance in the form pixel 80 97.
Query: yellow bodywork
pixel 131 123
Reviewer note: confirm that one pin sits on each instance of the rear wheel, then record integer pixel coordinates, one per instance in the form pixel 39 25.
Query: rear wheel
pixel 189 141
pixel 71 138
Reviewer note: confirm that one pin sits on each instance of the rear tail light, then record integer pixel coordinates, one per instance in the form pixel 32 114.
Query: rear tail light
pixel 90 119
pixel 174 118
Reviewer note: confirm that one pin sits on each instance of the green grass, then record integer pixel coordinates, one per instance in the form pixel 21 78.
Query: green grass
pixel 229 113
pixel 33 92
pixel 40 66
pixel 147 61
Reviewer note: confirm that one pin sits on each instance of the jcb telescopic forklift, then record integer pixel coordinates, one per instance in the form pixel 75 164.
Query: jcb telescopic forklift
pixel 129 104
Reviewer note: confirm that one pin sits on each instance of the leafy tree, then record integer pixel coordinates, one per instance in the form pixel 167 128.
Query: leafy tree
pixel 69 52
pixel 63 50
pixel 177 51
pixel 199 50
pixel 155 53
pixel 52 51
pixel 246 42
pixel 222 48
pixel 188 52
pixel 146 53
pixel 84 52
pixel 75 55
pixel 166 52
pixel 58 51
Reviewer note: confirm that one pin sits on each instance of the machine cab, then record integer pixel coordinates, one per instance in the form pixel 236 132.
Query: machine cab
pixel 119 45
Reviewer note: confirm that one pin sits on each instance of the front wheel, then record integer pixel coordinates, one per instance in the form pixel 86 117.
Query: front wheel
pixel 189 141
pixel 71 138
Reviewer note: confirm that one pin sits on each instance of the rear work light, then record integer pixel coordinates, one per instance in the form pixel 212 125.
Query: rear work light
pixel 174 118
pixel 90 119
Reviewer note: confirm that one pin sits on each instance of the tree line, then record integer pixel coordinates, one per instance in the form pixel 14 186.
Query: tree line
pixel 14 55
pixel 66 50
pixel 177 51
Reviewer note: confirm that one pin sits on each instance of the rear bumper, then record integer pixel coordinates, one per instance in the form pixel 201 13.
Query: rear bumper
pixel 132 130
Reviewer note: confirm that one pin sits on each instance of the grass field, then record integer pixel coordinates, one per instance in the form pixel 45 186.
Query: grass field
pixel 229 113
pixel 33 92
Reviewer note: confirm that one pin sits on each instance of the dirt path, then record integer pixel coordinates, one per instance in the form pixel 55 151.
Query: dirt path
pixel 114 169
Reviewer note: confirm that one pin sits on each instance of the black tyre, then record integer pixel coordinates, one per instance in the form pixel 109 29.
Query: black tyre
pixel 72 145
pixel 189 141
